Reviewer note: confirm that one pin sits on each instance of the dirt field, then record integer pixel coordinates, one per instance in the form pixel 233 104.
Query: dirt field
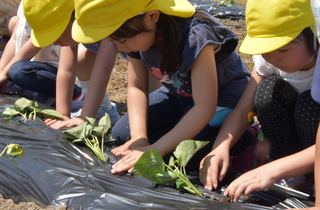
pixel 117 91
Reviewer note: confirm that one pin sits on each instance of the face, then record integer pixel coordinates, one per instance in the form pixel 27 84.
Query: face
pixel 292 57
pixel 66 39
pixel 144 40
pixel 140 42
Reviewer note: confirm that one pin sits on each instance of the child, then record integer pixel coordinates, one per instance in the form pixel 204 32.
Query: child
pixel 29 68
pixel 51 23
pixel 315 93
pixel 193 56
pixel 8 9
pixel 281 38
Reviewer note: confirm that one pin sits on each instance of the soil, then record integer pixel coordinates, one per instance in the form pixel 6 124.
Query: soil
pixel 117 89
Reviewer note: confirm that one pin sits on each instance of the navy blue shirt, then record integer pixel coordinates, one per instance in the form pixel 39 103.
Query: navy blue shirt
pixel 232 74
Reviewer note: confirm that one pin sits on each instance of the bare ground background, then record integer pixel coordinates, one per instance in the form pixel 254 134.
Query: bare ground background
pixel 117 89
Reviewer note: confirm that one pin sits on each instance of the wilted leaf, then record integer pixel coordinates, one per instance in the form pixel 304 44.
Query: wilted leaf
pixel 14 149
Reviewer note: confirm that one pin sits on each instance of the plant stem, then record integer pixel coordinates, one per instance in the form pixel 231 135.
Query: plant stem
pixel 184 179
pixel 4 150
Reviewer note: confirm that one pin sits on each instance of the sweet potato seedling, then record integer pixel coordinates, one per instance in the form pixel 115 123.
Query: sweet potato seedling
pixel 12 149
pixel 92 135
pixel 29 109
pixel 151 165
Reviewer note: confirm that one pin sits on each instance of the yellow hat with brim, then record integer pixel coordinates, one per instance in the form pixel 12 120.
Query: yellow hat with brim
pixel 48 19
pixel 95 20
pixel 272 24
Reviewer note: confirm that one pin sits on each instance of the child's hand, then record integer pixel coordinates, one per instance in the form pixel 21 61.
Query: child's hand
pixel 66 122
pixel 3 82
pixel 51 121
pixel 127 162
pixel 258 179
pixel 213 168
pixel 128 146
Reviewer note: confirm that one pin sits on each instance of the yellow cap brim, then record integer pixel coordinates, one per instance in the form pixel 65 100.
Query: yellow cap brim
pixel 48 37
pixel 256 46
pixel 86 29
pixel 87 35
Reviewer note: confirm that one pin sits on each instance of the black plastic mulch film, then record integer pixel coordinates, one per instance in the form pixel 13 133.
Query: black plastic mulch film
pixel 53 171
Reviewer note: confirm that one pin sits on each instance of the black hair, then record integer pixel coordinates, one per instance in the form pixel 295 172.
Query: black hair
pixel 311 40
pixel 169 31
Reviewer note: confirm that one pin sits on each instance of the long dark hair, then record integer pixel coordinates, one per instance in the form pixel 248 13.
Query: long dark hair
pixel 169 35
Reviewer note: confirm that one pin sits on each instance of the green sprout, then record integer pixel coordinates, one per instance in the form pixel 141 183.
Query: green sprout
pixel 29 109
pixel 92 135
pixel 12 149
pixel 151 165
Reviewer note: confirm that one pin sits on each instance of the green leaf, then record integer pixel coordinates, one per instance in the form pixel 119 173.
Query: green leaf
pixel 22 104
pixel 171 161
pixel 87 130
pixel 14 149
pixel 99 130
pixel 105 121
pixel 75 132
pixel 51 113
pixel 165 178
pixel 104 125
pixel 91 120
pixel 9 113
pixel 260 136
pixel 186 149
pixel 149 164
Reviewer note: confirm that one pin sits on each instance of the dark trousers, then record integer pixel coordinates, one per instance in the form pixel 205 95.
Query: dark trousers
pixel 37 76
pixel 288 120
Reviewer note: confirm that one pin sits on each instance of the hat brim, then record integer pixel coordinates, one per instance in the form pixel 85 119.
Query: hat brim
pixel 49 37
pixel 86 31
pixel 256 46
pixel 87 35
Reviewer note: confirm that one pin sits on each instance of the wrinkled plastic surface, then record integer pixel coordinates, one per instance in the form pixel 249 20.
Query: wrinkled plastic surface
pixel 53 171
pixel 233 12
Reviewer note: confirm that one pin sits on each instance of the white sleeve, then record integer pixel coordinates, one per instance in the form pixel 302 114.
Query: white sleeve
pixel 262 67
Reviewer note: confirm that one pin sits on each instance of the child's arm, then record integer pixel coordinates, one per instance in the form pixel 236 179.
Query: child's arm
pixel 27 51
pixel 99 78
pixel 98 83
pixel 264 176
pixel 214 166
pixel 205 94
pixel 66 79
pixel 65 82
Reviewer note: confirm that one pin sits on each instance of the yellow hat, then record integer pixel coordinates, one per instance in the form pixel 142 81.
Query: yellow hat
pixel 48 19
pixel 271 24
pixel 97 19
